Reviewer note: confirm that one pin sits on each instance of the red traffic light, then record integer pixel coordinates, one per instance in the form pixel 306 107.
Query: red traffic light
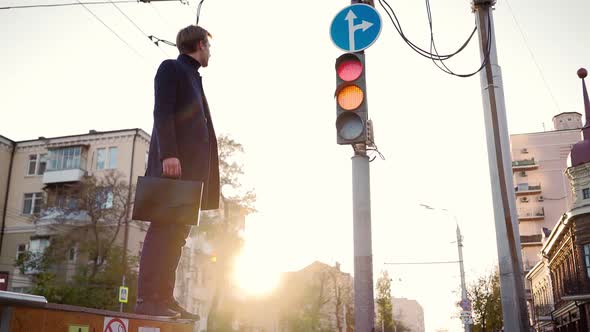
pixel 349 68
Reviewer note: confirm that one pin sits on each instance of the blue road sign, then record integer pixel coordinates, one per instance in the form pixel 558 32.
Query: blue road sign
pixel 355 27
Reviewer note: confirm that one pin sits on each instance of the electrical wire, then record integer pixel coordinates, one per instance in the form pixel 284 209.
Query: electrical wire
pixel 136 26
pixel 433 53
pixel 397 25
pixel 113 31
pixel 162 18
pixel 444 67
pixel 422 263
pixel 77 4
pixel 534 58
pixel 67 4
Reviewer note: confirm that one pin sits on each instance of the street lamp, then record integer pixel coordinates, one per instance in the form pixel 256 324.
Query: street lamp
pixel 465 303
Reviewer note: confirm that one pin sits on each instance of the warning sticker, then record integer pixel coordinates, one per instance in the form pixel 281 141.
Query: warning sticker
pixel 149 329
pixel 114 324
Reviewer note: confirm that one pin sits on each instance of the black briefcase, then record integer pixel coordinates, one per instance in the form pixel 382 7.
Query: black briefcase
pixel 164 200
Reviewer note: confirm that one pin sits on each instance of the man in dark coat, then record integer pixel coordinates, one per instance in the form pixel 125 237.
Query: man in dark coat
pixel 183 146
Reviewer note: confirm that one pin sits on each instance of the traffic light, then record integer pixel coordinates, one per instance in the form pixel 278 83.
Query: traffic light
pixel 351 99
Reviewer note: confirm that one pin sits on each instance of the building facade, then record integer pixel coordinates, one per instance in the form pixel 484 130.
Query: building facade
pixel 561 280
pixel 36 175
pixel 542 302
pixel 542 193
pixel 410 313
pixel 541 187
pixel 199 275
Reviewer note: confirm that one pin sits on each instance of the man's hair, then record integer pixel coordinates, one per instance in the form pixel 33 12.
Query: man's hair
pixel 188 38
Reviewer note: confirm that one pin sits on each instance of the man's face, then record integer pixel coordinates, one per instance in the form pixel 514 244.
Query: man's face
pixel 204 53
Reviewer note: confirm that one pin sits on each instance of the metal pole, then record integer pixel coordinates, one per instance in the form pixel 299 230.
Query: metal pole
pixel 364 306
pixel 462 269
pixel 512 291
pixel 121 303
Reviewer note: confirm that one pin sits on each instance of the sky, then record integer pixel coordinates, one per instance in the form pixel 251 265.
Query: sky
pixel 270 85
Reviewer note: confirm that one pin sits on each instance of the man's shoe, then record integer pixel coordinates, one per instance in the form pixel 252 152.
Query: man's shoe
pixel 174 305
pixel 155 309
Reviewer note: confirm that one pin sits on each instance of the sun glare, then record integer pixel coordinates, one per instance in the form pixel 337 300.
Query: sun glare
pixel 254 272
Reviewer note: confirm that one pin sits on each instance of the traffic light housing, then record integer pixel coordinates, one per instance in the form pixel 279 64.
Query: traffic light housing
pixel 351 99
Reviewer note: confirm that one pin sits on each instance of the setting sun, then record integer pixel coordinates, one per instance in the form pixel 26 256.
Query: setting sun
pixel 254 271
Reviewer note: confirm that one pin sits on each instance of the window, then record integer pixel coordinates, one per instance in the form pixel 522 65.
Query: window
pixel 21 251
pixel 32 203
pixel 100 158
pixel 37 246
pixel 42 165
pixel 104 198
pixel 586 193
pixel 32 164
pixel 587 258
pixel 37 164
pixel 104 160
pixel 112 158
pixel 66 201
pixel 66 158
pixel 72 254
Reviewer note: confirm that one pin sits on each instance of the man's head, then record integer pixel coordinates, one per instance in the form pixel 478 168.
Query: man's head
pixel 194 41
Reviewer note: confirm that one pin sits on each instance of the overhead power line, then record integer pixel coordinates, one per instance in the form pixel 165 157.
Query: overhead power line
pixel 423 263
pixel 113 31
pixel 534 58
pixel 135 25
pixel 78 4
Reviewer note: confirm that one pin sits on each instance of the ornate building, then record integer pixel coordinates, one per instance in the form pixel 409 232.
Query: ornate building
pixel 566 253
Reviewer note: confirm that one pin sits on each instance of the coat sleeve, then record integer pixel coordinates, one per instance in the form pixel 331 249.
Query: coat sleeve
pixel 165 87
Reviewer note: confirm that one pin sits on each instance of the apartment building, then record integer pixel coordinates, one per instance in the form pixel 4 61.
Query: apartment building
pixel 542 194
pixel 6 149
pixel 33 177
pixel 410 313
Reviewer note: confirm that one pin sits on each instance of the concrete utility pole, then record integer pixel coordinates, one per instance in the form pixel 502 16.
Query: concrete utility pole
pixel 364 305
pixel 464 298
pixel 514 309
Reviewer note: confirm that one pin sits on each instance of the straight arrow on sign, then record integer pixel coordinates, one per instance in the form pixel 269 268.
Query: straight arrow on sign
pixel 350 17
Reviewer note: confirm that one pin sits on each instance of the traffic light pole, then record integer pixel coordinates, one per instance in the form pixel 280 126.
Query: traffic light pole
pixel 514 309
pixel 364 307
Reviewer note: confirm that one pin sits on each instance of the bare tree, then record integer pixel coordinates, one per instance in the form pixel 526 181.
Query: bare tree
pixel 94 213
pixel 89 217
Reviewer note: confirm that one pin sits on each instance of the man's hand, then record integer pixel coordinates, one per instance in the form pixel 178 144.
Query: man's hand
pixel 171 168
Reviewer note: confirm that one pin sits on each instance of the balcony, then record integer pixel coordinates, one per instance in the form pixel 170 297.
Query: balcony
pixel 543 310
pixel 65 165
pixel 524 165
pixel 63 175
pixel 530 240
pixel 531 214
pixel 526 189
pixel 58 216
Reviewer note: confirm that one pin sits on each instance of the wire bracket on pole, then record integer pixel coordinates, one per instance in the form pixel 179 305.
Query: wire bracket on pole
pixel 479 3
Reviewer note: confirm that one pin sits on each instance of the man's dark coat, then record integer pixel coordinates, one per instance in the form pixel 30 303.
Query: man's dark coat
pixel 183 127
